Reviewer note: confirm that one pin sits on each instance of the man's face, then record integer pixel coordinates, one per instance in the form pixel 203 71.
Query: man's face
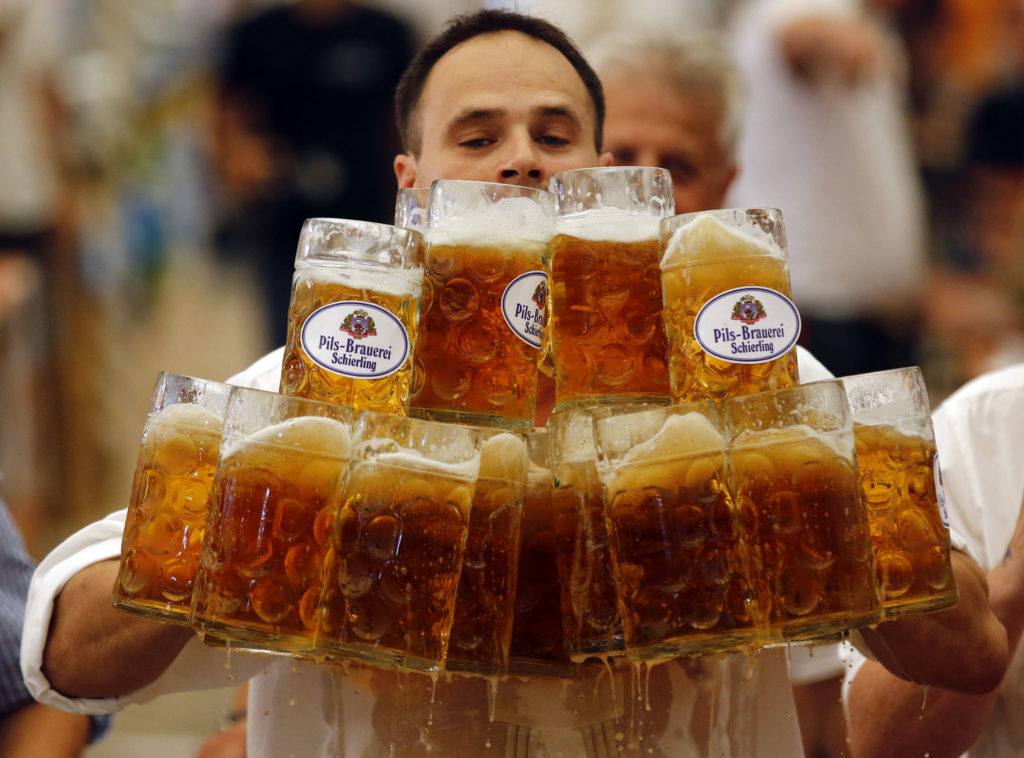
pixel 502 107
pixel 650 124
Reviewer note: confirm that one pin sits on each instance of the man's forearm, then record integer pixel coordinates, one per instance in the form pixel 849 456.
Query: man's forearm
pixel 37 730
pixel 963 649
pixel 94 650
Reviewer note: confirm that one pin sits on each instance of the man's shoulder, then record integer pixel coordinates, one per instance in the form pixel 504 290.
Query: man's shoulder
pixel 1001 385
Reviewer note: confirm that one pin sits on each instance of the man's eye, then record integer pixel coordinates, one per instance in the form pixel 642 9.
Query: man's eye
pixel 680 168
pixel 476 142
pixel 552 141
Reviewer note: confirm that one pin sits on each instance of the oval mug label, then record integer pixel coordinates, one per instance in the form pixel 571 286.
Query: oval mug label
pixel 747 325
pixel 355 339
pixel 524 304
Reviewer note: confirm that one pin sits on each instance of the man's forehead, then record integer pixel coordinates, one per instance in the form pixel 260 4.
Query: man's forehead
pixel 475 73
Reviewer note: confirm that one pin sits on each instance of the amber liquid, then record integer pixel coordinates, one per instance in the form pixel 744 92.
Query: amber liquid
pixel 812 564
pixel 911 542
pixel 696 374
pixel 538 644
pixel 166 521
pixel 303 377
pixel 260 581
pixel 469 366
pixel 395 565
pixel 590 611
pixel 683 568
pixel 482 629
pixel 606 326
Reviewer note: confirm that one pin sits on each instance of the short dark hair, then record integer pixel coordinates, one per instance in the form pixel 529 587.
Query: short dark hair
pixel 465 27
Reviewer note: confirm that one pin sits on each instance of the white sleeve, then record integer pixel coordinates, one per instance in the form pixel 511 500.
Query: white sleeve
pixel 196 667
pixel 264 374
pixel 810 368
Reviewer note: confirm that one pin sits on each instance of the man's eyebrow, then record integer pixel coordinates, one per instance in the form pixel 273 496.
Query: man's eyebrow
pixel 469 115
pixel 558 111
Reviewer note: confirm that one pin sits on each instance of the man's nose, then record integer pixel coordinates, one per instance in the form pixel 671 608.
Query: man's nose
pixel 522 163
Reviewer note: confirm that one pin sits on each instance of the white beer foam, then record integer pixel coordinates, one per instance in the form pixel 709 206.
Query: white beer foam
pixel 405 458
pixel 388 281
pixel 503 457
pixel 510 219
pixel 755 438
pixel 602 224
pixel 707 233
pixel 326 436
pixel 681 435
pixel 188 415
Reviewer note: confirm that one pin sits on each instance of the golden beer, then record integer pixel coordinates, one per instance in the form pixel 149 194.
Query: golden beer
pixel 910 538
pixel 606 328
pixel 353 315
pixel 260 581
pixel 799 505
pixel 484 304
pixel 470 365
pixel 482 628
pixel 729 320
pixel 166 519
pixel 397 550
pixel 683 569
pixel 538 643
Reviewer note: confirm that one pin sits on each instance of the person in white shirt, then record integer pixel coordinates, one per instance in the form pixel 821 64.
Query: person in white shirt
pixel 498 97
pixel 977 433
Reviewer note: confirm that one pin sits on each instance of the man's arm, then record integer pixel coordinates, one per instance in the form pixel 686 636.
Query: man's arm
pixel 37 730
pixel 94 650
pixel 892 717
pixel 963 648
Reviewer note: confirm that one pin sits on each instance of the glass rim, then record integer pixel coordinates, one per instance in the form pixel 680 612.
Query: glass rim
pixel 373 237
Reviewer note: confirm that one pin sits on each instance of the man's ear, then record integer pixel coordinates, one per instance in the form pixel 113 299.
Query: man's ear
pixel 405 170
pixel 606 159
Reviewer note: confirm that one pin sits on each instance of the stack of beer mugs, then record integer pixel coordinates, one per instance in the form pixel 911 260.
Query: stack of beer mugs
pixel 394 504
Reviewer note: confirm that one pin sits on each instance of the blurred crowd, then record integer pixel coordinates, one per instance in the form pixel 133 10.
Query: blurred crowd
pixel 158 159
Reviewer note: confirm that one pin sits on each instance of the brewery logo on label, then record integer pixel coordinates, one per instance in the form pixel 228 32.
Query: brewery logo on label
pixel 940 492
pixel 769 325
pixel 359 324
pixel 749 310
pixel 355 339
pixel 524 304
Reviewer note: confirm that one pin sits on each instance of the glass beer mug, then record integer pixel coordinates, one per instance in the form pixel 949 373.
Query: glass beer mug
pixel 166 519
pixel 353 314
pixel 411 208
pixel 397 550
pixel 683 571
pixel 486 303
pixel 274 506
pixel 607 336
pixel 902 489
pixel 591 623
pixel 482 630
pixel 730 322
pixel 794 479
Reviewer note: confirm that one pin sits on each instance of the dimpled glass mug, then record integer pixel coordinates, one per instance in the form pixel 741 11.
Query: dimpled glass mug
pixel 901 481
pixel 166 519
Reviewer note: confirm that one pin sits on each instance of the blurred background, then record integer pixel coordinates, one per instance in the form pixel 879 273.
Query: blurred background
pixel 157 158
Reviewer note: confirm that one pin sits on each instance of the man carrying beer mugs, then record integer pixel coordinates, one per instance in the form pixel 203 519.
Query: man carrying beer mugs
pixel 499 97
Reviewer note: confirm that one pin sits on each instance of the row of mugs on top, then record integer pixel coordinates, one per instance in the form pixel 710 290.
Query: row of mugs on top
pixel 594 280
pixel 280 523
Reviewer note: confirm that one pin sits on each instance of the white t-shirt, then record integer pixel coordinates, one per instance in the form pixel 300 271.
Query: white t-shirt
pixel 978 433
pixel 723 706
pixel 837 161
